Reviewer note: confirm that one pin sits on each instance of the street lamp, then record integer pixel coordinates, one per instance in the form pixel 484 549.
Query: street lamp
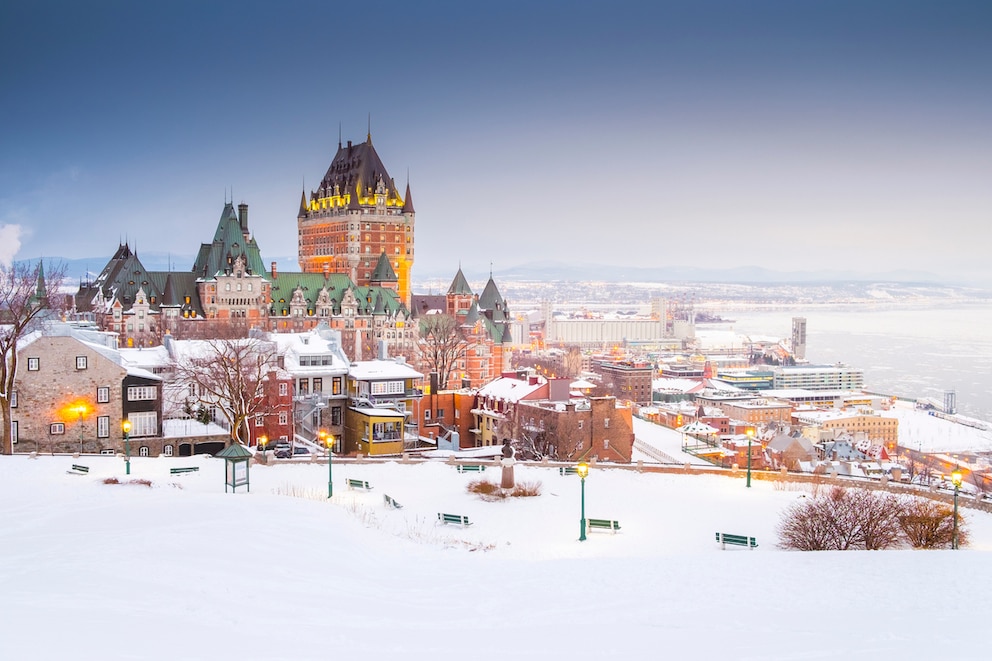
pixel 956 480
pixel 263 441
pixel 582 470
pixel 750 437
pixel 126 426
pixel 328 441
pixel 81 410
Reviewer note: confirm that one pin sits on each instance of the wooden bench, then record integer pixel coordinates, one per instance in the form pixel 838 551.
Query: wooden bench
pixel 78 470
pixel 184 469
pixel 359 484
pixel 602 524
pixel 453 518
pixel 568 470
pixel 390 502
pixel 471 468
pixel 736 540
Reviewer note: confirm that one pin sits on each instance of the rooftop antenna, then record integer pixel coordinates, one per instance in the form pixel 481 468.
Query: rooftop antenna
pixel 339 135
pixel 370 129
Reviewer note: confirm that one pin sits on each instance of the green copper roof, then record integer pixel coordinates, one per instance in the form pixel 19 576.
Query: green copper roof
pixel 383 271
pixel 460 285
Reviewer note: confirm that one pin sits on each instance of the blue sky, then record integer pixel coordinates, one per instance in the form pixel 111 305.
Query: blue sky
pixel 789 135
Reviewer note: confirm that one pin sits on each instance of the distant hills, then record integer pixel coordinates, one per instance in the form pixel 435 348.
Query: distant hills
pixel 551 271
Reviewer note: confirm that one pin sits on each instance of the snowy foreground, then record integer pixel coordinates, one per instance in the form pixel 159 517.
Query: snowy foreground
pixel 182 570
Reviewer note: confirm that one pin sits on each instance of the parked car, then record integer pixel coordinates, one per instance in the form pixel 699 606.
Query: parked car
pixel 283 451
pixel 300 450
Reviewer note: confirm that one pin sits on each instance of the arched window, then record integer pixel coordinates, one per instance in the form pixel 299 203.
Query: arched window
pixel 143 451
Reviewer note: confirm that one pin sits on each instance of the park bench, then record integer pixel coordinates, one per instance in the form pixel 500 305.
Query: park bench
pixel 568 470
pixel 471 468
pixel 78 470
pixel 391 502
pixel 602 524
pixel 736 540
pixel 453 518
pixel 184 469
pixel 359 484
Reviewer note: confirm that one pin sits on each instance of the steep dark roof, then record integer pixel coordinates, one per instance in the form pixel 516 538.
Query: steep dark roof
pixel 228 245
pixel 356 170
pixel 460 285
pixel 383 271
pixel 490 298
pixel 408 201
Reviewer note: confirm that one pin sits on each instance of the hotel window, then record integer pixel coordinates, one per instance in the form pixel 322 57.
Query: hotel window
pixel 56 428
pixel 167 450
pixel 427 414
pixel 335 415
pixel 259 421
pixel 13 400
pixel 103 426
pixel 102 395
pixel 34 364
pixel 80 362
pixel 283 389
pixel 606 423
pixel 283 418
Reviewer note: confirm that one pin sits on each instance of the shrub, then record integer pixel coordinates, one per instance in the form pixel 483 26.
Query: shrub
pixel 488 491
pixel 842 519
pixel 930 525
pixel 111 480
pixel 492 492
pixel 526 490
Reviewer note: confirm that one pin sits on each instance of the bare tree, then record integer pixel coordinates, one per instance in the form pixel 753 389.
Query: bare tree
pixel 26 293
pixel 842 519
pixel 441 345
pixel 930 525
pixel 229 374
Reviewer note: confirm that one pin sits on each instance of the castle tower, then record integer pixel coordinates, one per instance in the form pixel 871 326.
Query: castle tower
pixel 355 216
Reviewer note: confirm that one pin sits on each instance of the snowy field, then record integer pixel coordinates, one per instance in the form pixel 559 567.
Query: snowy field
pixel 183 570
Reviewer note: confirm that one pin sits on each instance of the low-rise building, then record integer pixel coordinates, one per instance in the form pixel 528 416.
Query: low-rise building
pixel 73 392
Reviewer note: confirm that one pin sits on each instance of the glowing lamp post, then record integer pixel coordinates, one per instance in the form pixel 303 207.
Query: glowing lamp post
pixel 582 470
pixel 328 441
pixel 750 437
pixel 263 441
pixel 81 410
pixel 956 480
pixel 126 427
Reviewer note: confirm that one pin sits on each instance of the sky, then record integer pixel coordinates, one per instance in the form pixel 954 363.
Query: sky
pixel 182 568
pixel 792 136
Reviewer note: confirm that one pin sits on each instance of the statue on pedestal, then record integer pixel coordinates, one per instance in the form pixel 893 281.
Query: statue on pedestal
pixel 507 462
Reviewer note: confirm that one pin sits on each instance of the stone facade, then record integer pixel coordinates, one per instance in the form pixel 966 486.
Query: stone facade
pixel 69 397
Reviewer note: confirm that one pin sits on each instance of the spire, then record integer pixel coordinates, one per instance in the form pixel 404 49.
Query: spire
pixel 383 271
pixel 303 202
pixel 369 136
pixel 459 285
pixel 41 288
pixel 408 199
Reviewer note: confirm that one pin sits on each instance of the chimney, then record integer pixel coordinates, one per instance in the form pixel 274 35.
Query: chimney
pixel 532 380
pixel 327 270
pixel 243 217
pixel 275 273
